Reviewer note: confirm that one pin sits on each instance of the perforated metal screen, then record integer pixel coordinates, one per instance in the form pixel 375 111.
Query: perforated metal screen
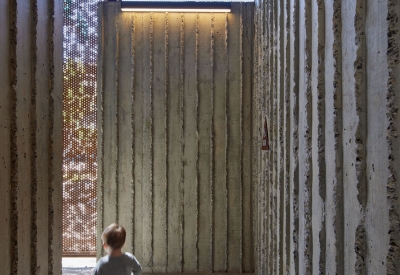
pixel 79 144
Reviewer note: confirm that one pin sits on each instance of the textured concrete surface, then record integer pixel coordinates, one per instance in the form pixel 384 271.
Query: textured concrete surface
pixel 325 80
pixel 177 165
pixel 175 92
pixel 31 136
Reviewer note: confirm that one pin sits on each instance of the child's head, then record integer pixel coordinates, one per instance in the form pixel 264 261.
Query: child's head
pixel 114 236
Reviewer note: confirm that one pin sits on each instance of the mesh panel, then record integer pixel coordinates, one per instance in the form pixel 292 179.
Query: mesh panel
pixel 79 113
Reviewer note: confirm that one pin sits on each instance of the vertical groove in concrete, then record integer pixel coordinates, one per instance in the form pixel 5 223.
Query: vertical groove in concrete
pixel 151 153
pixel 117 105
pixel 212 142
pixel 271 123
pixel 226 144
pixel 166 96
pixel 240 130
pixel 320 117
pixel 295 135
pixel 305 125
pixel 6 134
pixel 197 187
pixel 255 114
pixel 274 126
pixel 263 174
pixel 361 108
pixel 286 137
pixel 33 134
pixel 281 123
pixel 256 167
pixel 361 101
pixel 338 217
pixel 13 135
pixel 392 104
pixel 132 35
pixel 360 248
pixel 182 145
pixel 151 179
pixel 254 152
pixel 268 100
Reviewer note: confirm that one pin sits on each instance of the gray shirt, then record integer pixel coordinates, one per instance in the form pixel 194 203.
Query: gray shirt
pixel 126 264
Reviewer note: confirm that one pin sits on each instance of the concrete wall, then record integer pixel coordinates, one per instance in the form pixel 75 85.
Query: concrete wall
pixel 174 121
pixel 327 81
pixel 31 136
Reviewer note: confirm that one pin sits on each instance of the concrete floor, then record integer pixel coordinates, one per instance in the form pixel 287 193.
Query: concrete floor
pixel 84 266
pixel 77 266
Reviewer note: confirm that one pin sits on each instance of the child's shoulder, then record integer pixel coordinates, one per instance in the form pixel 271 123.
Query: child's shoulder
pixel 129 254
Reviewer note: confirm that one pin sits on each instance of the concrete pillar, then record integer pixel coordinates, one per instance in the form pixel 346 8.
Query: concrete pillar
pixel 31 134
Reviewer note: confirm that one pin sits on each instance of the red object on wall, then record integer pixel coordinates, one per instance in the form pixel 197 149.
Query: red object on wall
pixel 265 142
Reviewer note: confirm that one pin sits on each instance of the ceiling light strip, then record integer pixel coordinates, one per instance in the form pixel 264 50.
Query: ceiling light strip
pixel 176 6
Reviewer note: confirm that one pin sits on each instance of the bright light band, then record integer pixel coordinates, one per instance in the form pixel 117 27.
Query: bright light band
pixel 147 6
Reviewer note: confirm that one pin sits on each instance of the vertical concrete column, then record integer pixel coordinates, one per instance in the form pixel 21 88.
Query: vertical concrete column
pixel 378 162
pixel 247 130
pixel 318 136
pixel 305 138
pixel 393 101
pixel 31 133
pixel 190 136
pixel 294 134
pixel 174 145
pixel 286 136
pixel 160 148
pixel 205 113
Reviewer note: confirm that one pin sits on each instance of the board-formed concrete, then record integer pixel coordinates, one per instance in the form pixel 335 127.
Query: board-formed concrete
pixel 326 81
pixel 325 197
pixel 31 136
pixel 175 137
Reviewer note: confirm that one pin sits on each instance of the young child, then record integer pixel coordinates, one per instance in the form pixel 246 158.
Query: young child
pixel 116 263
